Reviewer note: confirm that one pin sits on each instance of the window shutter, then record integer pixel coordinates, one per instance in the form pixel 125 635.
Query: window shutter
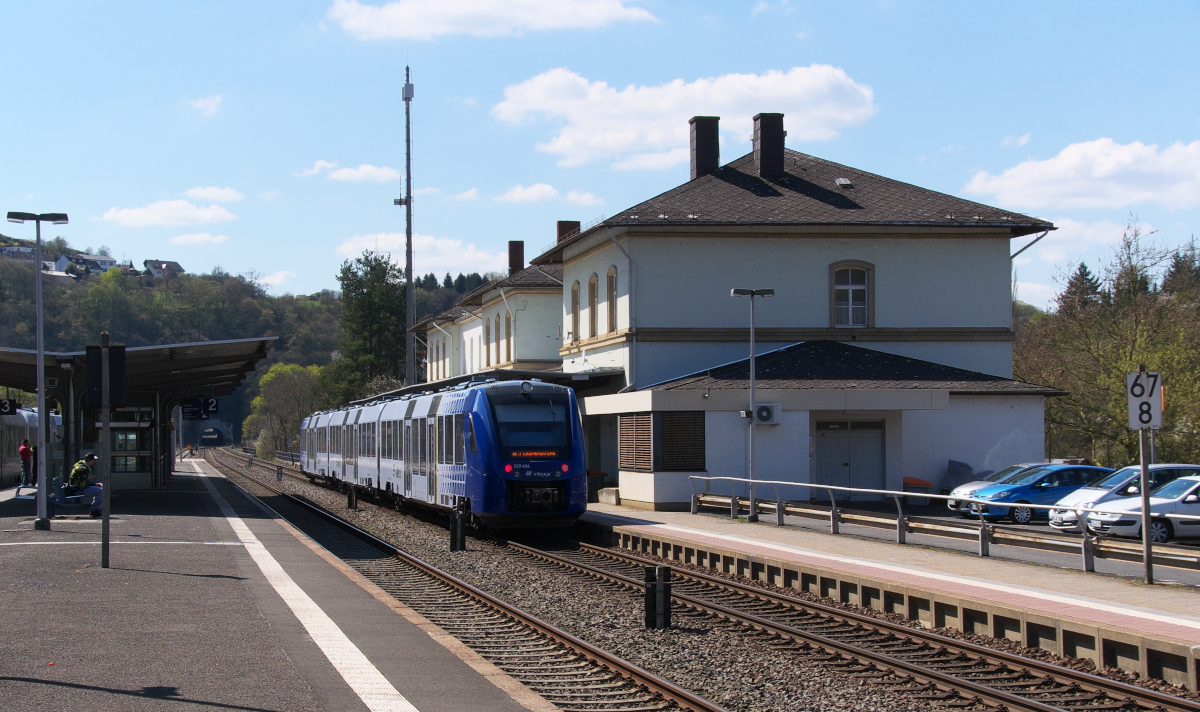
pixel 635 436
pixel 683 441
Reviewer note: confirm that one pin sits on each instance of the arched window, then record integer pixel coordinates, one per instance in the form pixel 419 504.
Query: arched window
pixel 498 361
pixel 593 306
pixel 508 336
pixel 851 292
pixel 487 342
pixel 575 311
pixel 612 299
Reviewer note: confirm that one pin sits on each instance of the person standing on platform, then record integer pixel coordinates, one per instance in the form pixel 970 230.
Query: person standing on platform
pixel 26 455
pixel 80 483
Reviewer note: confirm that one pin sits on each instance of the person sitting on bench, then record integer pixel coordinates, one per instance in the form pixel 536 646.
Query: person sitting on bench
pixel 79 484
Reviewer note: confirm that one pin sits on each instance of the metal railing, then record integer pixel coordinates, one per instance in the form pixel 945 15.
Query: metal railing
pixel 1087 546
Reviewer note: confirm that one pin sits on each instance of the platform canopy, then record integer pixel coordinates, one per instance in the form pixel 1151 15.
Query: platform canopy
pixel 209 368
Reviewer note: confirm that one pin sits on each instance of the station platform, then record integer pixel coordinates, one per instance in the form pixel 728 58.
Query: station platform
pixel 212 602
pixel 1113 621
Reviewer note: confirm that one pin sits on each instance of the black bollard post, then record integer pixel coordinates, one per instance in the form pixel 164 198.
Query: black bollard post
pixel 351 497
pixel 663 597
pixel 279 473
pixel 460 526
pixel 651 579
pixel 454 517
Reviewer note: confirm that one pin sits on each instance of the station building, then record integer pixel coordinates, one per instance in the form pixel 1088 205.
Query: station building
pixel 885 352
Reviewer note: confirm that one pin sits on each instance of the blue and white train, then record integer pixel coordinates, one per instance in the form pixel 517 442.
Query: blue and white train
pixel 513 449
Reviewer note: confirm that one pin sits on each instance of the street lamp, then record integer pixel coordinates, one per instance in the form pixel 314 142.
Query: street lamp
pixel 762 294
pixel 42 521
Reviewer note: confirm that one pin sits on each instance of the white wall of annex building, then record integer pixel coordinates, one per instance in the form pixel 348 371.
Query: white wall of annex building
pixel 536 324
pixel 987 432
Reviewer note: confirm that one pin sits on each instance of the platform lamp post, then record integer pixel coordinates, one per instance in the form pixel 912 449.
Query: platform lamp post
pixel 762 294
pixel 42 521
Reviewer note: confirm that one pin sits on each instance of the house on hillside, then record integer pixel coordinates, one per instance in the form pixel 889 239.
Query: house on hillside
pixel 162 268
pixel 14 250
pixel 85 262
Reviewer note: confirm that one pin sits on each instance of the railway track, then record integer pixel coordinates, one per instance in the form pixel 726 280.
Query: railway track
pixel 933 668
pixel 566 671
pixel 955 671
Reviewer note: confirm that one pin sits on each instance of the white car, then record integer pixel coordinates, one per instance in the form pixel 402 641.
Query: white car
pixel 1119 485
pixel 1180 497
pixel 963 508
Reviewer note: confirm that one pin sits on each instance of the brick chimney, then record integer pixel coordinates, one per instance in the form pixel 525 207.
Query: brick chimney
pixel 516 256
pixel 768 146
pixel 706 148
pixel 567 228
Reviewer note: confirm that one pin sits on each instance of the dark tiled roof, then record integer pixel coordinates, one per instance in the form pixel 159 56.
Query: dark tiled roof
pixel 532 276
pixel 808 194
pixel 831 365
pixel 450 314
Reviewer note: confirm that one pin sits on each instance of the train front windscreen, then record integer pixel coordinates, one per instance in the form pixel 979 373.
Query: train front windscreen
pixel 533 426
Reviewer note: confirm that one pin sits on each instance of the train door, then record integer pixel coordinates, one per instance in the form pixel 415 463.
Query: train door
pixel 408 458
pixel 433 458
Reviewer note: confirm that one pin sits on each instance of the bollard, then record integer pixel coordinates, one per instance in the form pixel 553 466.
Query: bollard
pixel 454 529
pixel 352 497
pixel 985 540
pixel 249 462
pixel 651 608
pixel 1089 552
pixel 464 508
pixel 279 473
pixel 780 508
pixel 733 506
pixel 835 520
pixel 663 597
pixel 901 530
pixel 695 503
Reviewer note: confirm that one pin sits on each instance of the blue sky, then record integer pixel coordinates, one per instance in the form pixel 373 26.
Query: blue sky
pixel 268 136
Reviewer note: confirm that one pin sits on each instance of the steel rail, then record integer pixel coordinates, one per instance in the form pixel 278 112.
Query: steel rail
pixel 665 689
pixel 1095 683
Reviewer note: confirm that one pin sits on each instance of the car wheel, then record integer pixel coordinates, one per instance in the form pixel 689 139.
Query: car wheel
pixel 1160 531
pixel 1021 515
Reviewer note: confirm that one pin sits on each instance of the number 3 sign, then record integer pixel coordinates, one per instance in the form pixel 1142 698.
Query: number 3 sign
pixel 1144 390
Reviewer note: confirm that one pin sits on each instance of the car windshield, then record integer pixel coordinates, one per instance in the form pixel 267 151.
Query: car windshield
pixel 1026 478
pixel 1002 474
pixel 1174 490
pixel 532 420
pixel 1115 478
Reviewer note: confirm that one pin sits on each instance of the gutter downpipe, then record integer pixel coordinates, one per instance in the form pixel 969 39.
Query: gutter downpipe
pixel 512 336
pixel 631 376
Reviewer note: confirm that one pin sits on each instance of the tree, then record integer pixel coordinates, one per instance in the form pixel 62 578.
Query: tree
pixel 287 395
pixel 448 282
pixel 373 322
pixel 1082 291
pixel 1182 277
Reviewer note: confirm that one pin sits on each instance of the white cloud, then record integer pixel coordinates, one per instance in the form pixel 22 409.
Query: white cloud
pixel 1073 239
pixel 580 197
pixel 270 195
pixel 428 19
pixel 199 238
pixel 532 194
pixel 647 126
pixel 221 195
pixel 1017 140
pixel 468 194
pixel 316 168
pixel 1100 174
pixel 366 172
pixel 653 161
pixel 951 148
pixel 278 279
pixel 427 191
pixel 208 105
pixel 430 254
pixel 167 213
pixel 1039 295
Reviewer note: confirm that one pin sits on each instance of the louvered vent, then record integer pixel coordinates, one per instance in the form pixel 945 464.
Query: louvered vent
pixel 683 441
pixel 636 452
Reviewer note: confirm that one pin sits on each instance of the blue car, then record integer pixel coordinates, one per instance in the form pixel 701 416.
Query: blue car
pixel 1041 485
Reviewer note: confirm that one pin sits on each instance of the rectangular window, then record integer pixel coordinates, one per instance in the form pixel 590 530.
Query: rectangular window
pixel 850 297
pixel 682 441
pixel 635 434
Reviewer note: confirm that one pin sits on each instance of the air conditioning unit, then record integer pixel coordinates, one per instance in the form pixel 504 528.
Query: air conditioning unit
pixel 768 414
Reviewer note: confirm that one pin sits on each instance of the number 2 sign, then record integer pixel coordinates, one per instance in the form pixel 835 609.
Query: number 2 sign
pixel 1144 390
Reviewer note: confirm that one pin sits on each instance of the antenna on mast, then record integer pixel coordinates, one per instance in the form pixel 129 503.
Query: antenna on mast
pixel 410 367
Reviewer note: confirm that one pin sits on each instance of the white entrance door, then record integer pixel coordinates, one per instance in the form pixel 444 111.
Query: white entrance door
pixel 849 454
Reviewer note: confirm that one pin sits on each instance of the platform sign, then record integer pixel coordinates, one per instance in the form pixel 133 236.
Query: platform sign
pixel 193 409
pixel 9 406
pixel 1145 394
pixel 209 405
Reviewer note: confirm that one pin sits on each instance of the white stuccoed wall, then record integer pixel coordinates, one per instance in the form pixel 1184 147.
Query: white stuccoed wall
pixel 987 432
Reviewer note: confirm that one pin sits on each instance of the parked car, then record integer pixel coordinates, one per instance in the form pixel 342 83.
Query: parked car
pixel 1122 517
pixel 1040 485
pixel 963 509
pixel 1119 485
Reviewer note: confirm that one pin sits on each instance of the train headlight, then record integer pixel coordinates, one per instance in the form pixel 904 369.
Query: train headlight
pixel 508 468
pixel 566 468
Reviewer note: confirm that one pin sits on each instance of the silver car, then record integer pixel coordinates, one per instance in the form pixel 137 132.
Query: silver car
pixel 1119 485
pixel 963 508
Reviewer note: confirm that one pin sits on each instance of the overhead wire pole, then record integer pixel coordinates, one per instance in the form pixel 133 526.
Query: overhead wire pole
pixel 410 346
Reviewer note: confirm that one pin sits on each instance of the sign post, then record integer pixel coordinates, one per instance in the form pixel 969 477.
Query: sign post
pixel 105 444
pixel 1144 391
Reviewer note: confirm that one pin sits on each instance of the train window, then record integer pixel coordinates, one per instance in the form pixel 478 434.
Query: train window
pixel 458 439
pixel 532 423
pixel 469 435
